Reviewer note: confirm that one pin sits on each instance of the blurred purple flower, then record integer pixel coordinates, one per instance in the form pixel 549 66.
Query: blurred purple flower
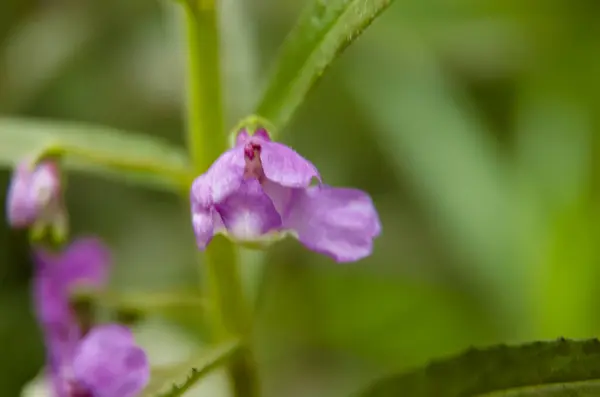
pixel 34 193
pixel 104 362
pixel 262 188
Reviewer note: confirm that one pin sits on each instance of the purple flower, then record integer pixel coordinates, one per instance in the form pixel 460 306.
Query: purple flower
pixel 260 189
pixel 34 194
pixel 105 361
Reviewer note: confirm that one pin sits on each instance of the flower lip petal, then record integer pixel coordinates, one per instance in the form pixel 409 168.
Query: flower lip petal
pixel 282 165
pixel 338 222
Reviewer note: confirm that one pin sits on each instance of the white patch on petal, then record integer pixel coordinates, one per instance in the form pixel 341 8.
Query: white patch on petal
pixel 204 226
pixel 44 186
pixel 247 225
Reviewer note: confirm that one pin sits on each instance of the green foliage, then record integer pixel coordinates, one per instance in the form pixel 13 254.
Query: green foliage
pixel 574 389
pixel 428 129
pixel 502 368
pixel 175 380
pixel 474 127
pixel 100 150
pixel 20 335
pixel 324 30
pixel 138 303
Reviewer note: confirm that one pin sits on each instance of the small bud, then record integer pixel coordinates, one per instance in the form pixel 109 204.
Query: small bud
pixel 34 194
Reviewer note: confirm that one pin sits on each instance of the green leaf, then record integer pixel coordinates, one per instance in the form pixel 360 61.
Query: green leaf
pixel 427 128
pixel 575 389
pixel 239 50
pixel 105 151
pixel 554 148
pixel 324 30
pixel 556 368
pixel 141 302
pixel 175 380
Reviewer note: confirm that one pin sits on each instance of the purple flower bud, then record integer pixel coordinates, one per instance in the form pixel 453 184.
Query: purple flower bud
pixel 105 362
pixel 262 187
pixel 34 193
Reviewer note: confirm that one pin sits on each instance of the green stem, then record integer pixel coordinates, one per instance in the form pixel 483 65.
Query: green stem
pixel 230 315
pixel 205 114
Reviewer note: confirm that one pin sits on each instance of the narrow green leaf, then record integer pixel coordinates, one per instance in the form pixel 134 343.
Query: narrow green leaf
pixel 575 389
pixel 324 30
pixel 239 51
pixel 426 126
pixel 535 369
pixel 554 149
pixel 131 157
pixel 175 380
pixel 141 302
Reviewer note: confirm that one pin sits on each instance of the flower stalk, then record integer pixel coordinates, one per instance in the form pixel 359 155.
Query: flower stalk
pixel 204 98
pixel 206 140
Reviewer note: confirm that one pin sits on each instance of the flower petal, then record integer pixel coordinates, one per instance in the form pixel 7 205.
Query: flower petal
pixel 262 133
pixel 50 300
pixel 31 193
pixel 61 332
pixel 337 222
pixel 284 166
pixel 20 209
pixel 222 178
pixel 206 223
pixel 248 214
pixel 241 137
pixel 280 195
pixel 45 183
pixel 86 262
pixel 109 363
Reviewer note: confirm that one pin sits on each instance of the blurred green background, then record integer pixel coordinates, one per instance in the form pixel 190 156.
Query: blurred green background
pixel 473 124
